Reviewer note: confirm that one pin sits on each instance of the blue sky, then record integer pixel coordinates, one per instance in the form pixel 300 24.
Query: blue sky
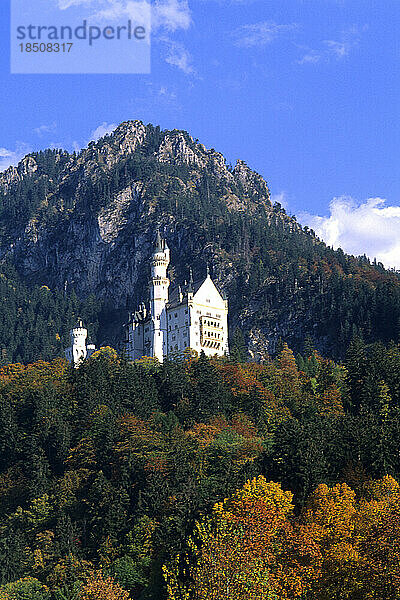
pixel 307 92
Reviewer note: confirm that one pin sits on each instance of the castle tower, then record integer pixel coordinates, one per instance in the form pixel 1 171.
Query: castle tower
pixel 78 350
pixel 193 316
pixel 159 285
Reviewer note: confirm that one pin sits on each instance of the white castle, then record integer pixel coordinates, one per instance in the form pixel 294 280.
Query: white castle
pixel 79 349
pixel 194 315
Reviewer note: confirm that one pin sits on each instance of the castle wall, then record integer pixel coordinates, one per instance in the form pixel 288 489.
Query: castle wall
pixel 209 321
pixel 178 335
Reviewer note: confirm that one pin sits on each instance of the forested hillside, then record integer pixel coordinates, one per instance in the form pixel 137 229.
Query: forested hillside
pixel 83 226
pixel 196 479
pixel 35 321
pixel 105 469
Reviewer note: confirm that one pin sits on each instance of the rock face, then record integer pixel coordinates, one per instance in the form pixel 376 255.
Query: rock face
pixel 86 223
pixel 102 247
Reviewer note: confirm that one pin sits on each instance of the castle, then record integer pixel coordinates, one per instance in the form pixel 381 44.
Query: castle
pixel 79 349
pixel 193 315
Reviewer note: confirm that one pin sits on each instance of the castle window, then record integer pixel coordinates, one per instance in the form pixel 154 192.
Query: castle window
pixel 185 344
pixel 170 327
pixel 173 337
pixel 146 330
pixel 176 326
pixel 186 311
pixel 169 316
pixel 176 314
pixel 208 300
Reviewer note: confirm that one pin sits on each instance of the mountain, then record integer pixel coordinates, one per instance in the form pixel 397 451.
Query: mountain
pixel 76 231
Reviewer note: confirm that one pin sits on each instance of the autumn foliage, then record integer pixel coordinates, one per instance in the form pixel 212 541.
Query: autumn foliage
pixel 253 546
pixel 117 473
pixel 97 587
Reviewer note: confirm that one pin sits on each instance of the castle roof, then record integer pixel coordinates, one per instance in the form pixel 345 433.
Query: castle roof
pixel 192 287
pixel 160 244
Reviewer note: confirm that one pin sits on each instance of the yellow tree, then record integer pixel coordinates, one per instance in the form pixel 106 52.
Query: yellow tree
pixel 246 550
pixel 287 377
pixel 25 589
pixel 377 531
pixel 331 513
pixel 97 587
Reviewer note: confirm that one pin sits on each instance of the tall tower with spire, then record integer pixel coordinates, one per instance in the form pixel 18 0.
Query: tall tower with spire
pixel 191 316
pixel 159 284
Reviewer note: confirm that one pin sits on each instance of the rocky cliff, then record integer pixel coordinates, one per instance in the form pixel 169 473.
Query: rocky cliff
pixel 86 222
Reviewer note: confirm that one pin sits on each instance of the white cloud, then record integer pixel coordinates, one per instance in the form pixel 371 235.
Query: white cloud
pixel 339 49
pixel 138 11
pixel 101 131
pixel 171 15
pixel 95 135
pixel 64 4
pixel 179 56
pixel 42 129
pixel 260 34
pixel 281 198
pixel 310 57
pixel 12 157
pixel 349 39
pixel 167 15
pixel 161 17
pixel 371 228
pixel 167 94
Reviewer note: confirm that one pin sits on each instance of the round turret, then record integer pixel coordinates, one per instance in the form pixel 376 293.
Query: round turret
pixel 159 256
pixel 78 334
pixel 159 259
